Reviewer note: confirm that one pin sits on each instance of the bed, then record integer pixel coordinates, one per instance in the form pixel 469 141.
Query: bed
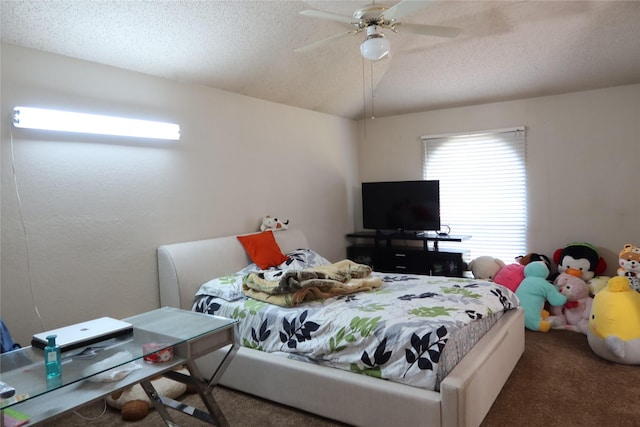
pixel 465 395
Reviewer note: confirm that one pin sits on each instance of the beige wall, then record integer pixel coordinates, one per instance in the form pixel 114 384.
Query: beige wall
pixel 583 151
pixel 96 209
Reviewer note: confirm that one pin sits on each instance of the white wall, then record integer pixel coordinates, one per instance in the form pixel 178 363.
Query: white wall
pixel 583 153
pixel 95 209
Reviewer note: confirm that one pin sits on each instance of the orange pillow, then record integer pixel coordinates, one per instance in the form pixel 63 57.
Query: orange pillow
pixel 263 249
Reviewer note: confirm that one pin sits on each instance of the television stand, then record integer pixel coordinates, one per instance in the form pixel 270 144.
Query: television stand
pixel 382 251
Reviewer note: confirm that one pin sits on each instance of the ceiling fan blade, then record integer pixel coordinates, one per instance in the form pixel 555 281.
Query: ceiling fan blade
pixel 404 8
pixel 428 30
pixel 329 16
pixel 322 42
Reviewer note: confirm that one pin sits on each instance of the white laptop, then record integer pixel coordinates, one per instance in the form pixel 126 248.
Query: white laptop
pixel 83 334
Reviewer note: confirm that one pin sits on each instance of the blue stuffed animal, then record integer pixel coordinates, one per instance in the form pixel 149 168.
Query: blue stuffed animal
pixel 533 292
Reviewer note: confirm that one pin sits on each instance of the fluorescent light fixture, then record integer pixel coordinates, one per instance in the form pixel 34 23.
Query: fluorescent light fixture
pixel 66 121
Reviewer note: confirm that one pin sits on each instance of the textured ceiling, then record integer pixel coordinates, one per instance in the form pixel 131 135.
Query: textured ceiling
pixel 507 49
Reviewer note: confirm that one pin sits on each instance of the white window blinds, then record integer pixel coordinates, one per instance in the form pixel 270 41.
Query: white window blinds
pixel 482 188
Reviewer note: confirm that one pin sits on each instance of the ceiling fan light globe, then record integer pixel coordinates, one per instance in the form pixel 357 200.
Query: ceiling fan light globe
pixel 375 48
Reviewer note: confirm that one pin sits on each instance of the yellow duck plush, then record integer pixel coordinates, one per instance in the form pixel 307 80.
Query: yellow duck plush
pixel 614 324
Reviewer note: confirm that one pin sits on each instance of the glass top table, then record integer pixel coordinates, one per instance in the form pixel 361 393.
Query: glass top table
pixel 188 334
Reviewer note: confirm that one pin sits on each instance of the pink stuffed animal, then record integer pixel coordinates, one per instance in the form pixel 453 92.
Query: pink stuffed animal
pixel 574 315
pixel 511 275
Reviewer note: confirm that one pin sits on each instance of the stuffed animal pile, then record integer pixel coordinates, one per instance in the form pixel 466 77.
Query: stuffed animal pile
pixel 508 275
pixel 513 274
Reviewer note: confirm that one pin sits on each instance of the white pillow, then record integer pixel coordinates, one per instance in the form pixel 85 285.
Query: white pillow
pixel 303 258
pixel 226 287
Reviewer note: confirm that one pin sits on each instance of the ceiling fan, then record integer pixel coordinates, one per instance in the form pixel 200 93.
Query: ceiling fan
pixel 373 19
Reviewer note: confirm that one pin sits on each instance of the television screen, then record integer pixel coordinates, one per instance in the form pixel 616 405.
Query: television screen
pixel 401 205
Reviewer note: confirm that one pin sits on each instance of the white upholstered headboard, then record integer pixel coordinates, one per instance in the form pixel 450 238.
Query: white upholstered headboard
pixel 183 267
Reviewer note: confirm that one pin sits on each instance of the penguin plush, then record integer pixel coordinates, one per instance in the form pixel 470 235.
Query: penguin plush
pixel 580 260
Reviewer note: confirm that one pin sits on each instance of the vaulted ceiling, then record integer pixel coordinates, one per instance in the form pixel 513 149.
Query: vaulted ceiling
pixel 506 50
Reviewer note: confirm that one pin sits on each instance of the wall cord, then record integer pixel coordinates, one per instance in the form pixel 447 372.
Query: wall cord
pixel 24 229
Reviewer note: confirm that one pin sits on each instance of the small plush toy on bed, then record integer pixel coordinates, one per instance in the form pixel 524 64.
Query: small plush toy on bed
pixel 533 292
pixel 270 223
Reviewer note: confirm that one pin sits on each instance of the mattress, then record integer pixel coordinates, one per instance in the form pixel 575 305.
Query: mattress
pixel 412 330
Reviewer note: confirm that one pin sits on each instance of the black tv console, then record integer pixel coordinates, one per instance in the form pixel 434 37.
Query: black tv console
pixel 385 253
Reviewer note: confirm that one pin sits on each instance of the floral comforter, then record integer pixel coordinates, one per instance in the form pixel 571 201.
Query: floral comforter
pixel 397 332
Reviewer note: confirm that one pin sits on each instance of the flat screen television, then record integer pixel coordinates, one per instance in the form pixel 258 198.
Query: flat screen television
pixel 401 206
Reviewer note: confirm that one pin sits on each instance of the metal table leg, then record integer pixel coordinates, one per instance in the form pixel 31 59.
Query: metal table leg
pixel 204 389
pixel 156 399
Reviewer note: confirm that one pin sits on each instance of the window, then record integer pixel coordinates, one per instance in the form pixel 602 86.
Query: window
pixel 482 188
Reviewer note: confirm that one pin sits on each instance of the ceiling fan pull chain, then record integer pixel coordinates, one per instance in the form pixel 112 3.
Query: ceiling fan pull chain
pixel 373 116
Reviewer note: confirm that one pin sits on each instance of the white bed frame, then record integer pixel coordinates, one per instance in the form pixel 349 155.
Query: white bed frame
pixel 466 394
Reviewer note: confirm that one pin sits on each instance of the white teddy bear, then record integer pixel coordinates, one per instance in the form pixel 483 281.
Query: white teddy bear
pixel 486 267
